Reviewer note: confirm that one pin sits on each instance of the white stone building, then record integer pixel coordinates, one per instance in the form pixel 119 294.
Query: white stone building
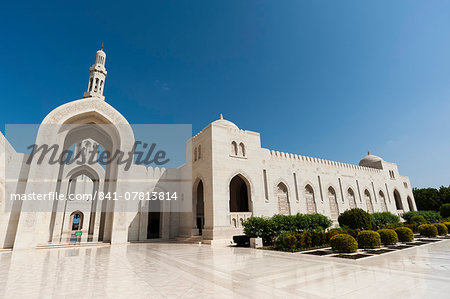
pixel 232 178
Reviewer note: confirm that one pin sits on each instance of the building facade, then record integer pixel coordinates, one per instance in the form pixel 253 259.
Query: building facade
pixel 231 179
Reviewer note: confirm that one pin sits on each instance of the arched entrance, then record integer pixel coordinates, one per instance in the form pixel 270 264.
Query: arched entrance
pixel 239 191
pixel 76 220
pixel 398 200
pixel 368 201
pixel 351 198
pixel 410 204
pixel 199 208
pixel 334 210
pixel 310 201
pixel 283 200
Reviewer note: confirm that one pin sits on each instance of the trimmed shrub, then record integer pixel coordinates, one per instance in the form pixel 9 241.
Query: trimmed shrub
pixel 242 240
pixel 445 210
pixel 383 220
pixel 413 227
pixel 369 239
pixel 404 234
pixel 286 242
pixel 428 230
pixel 311 222
pixel 355 219
pixel 447 224
pixel 343 243
pixel 441 228
pixel 388 236
pixel 269 228
pixel 430 216
pixel 255 227
pixel 418 219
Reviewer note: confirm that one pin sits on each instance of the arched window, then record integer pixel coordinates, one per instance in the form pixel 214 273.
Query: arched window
pixel 351 198
pixel 368 201
pixel 101 85
pixel 410 204
pixel 239 195
pixel 96 85
pixel 234 148
pixel 77 220
pixel 398 200
pixel 195 154
pixel 310 201
pixel 91 83
pixel 283 200
pixel 383 201
pixel 242 149
pixel 334 210
pixel 199 152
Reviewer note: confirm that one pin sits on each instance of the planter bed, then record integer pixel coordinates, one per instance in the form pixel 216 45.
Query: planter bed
pixel 352 256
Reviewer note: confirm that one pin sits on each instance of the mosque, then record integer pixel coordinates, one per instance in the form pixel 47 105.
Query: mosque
pixel 227 177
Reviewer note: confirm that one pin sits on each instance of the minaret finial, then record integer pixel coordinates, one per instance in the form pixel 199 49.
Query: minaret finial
pixel 221 116
pixel 368 153
pixel 97 76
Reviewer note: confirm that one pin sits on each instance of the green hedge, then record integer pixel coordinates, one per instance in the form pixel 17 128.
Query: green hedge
pixel 355 219
pixel 445 210
pixel 383 219
pixel 388 236
pixel 418 219
pixel 430 216
pixel 290 241
pixel 369 239
pixel 447 224
pixel 343 243
pixel 441 228
pixel 270 228
pixel 404 234
pixel 428 230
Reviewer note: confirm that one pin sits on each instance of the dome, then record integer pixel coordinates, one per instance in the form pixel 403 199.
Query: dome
pixel 224 123
pixel 371 161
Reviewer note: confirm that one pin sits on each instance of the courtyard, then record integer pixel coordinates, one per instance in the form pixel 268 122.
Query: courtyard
pixel 159 270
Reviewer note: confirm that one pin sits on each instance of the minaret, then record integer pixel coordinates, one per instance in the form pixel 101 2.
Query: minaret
pixel 97 76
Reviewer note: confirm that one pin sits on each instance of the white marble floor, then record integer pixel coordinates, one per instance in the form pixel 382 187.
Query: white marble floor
pixel 178 270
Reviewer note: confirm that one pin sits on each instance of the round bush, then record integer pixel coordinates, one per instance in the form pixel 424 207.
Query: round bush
pixel 442 229
pixel 445 210
pixel 418 219
pixel 428 230
pixel 447 224
pixel 388 236
pixel 343 243
pixel 404 234
pixel 369 239
pixel 286 242
pixel 355 218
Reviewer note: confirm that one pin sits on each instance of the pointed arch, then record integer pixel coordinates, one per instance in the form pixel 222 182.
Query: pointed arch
pixel 351 198
pixel 368 198
pixel 239 194
pixel 398 200
pixel 310 200
pixel 383 201
pixel 334 209
pixel 410 204
pixel 283 199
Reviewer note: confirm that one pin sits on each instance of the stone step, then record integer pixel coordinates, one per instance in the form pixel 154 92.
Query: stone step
pixel 191 240
pixel 70 245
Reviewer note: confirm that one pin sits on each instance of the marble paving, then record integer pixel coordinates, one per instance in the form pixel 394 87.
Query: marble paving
pixel 156 270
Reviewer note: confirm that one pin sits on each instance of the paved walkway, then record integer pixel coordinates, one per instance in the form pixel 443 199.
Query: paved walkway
pixel 177 270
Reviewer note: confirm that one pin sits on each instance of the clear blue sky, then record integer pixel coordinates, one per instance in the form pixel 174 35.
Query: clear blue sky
pixel 329 79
